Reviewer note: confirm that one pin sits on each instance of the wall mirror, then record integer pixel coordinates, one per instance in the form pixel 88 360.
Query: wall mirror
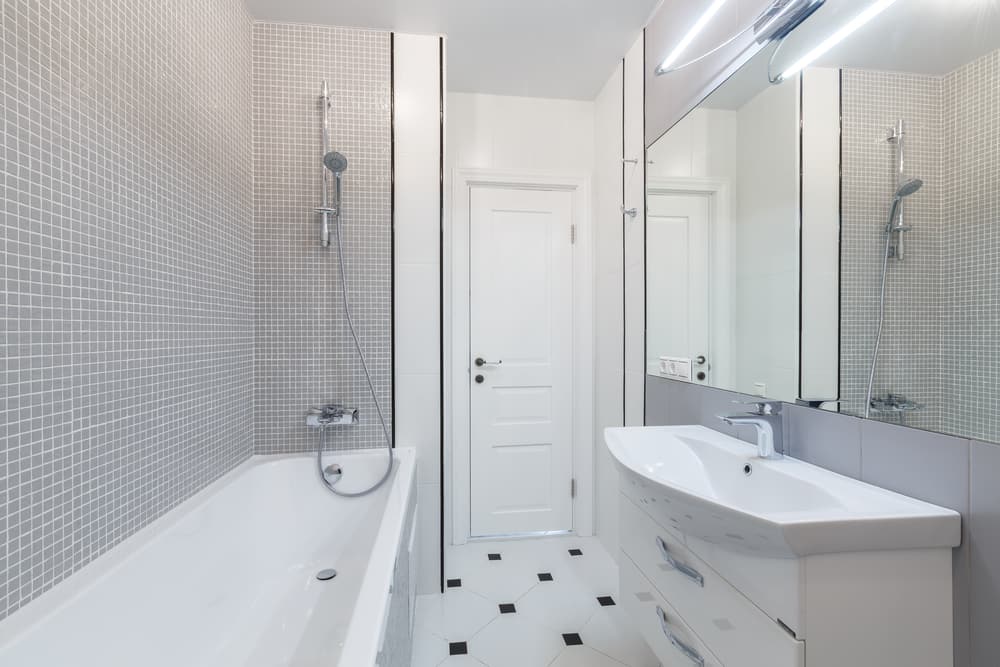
pixel 722 246
pixel 839 237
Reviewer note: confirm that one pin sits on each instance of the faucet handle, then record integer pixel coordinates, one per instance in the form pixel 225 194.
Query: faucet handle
pixel 762 407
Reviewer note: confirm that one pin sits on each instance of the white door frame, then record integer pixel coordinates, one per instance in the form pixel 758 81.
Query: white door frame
pixel 457 352
pixel 720 286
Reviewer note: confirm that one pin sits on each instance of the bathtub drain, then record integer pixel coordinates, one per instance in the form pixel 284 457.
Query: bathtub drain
pixel 326 575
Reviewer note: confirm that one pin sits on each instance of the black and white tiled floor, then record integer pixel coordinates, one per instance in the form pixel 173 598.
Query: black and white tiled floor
pixel 528 603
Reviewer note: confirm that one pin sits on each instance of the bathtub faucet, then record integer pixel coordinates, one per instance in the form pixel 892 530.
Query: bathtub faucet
pixel 332 414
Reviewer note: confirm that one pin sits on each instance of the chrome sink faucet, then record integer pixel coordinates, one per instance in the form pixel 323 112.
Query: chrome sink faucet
pixel 766 419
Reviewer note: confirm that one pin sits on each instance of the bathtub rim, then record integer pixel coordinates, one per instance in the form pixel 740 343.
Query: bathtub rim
pixel 24 620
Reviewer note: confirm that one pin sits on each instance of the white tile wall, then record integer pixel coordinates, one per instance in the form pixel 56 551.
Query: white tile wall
pixel 609 306
pixel 497 132
pixel 635 243
pixel 417 233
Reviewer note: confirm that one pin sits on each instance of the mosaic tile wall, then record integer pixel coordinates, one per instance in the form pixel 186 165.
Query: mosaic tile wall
pixel 971 249
pixel 126 356
pixel 304 352
pixel 943 325
pixel 910 360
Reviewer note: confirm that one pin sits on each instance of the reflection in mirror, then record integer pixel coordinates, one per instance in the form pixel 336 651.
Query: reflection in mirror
pixel 722 249
pixel 920 197
pixel 876 167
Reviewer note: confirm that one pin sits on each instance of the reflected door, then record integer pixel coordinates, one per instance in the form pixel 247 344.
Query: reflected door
pixel 521 262
pixel 678 265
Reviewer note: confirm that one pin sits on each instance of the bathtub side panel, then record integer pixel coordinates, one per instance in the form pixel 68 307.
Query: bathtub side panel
pixel 398 641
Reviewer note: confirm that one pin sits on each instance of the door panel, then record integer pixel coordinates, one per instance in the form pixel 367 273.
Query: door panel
pixel 521 318
pixel 678 228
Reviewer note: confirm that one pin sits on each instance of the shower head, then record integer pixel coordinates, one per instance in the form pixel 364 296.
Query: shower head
pixel 908 188
pixel 335 162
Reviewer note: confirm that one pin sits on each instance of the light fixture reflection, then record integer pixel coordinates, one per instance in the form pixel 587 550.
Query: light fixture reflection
pixel 854 24
pixel 698 26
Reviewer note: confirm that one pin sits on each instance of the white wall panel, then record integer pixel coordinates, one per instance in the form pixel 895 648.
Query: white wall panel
pixel 417 284
pixel 609 307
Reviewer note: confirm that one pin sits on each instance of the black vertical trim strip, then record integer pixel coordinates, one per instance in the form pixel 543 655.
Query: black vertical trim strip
pixel 645 208
pixel 392 230
pixel 840 226
pixel 441 296
pixel 802 153
pixel 624 265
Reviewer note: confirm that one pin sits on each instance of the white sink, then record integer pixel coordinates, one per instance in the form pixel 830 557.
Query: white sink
pixel 714 487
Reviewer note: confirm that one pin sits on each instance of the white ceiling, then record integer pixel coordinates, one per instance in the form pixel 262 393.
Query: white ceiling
pixel 536 48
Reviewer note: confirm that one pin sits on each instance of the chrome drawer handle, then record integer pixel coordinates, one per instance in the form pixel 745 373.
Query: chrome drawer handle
pixel 688 571
pixel 686 650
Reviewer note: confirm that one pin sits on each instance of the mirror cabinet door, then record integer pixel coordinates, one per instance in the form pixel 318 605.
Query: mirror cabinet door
pixel 823 225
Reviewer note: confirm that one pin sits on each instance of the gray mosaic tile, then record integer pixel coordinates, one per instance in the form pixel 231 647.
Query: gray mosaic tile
pixel 126 303
pixel 943 318
pixel 304 352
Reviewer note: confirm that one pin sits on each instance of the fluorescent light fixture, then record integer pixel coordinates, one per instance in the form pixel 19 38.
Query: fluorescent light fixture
pixel 854 24
pixel 698 26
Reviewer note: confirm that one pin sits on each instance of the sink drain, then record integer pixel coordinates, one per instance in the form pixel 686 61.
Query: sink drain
pixel 747 469
pixel 326 575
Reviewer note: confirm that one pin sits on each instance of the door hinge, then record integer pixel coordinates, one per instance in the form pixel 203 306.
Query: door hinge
pixel 572 233
pixel 572 488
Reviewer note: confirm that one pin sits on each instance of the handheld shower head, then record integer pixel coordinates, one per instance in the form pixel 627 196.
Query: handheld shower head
pixel 335 162
pixel 909 187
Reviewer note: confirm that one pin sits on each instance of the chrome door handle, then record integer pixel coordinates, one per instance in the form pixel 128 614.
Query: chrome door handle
pixel 688 571
pixel 482 362
pixel 686 650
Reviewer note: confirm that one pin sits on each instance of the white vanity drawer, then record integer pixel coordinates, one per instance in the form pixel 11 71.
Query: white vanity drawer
pixel 737 630
pixel 673 642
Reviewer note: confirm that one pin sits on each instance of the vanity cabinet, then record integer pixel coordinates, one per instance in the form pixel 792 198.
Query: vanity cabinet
pixel 698 604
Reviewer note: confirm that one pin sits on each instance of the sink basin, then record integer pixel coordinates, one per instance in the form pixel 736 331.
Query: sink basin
pixel 714 487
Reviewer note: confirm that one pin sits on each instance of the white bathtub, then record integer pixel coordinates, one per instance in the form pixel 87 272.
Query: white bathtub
pixel 228 577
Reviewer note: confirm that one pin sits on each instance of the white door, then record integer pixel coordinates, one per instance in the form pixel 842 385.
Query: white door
pixel 677 269
pixel 521 317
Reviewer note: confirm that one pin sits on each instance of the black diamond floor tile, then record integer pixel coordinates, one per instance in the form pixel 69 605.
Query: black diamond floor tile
pixel 572 639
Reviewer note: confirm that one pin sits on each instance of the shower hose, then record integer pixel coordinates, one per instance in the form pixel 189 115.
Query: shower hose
pixel 881 319
pixel 371 388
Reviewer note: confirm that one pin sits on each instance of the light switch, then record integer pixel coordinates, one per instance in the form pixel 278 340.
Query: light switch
pixel 677 368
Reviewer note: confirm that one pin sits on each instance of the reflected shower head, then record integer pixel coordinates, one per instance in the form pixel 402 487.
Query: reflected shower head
pixel 335 162
pixel 909 187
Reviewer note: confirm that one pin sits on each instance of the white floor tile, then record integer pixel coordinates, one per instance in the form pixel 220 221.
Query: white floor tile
pixel 532 636
pixel 560 605
pixel 513 640
pixel 454 616
pixel 612 632
pixel 428 649
pixel 462 661
pixel 504 580
pixel 583 656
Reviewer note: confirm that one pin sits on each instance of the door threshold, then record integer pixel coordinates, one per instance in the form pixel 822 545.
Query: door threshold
pixel 521 536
